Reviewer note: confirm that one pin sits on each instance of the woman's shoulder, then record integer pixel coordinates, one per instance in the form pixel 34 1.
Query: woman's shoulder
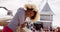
pixel 21 8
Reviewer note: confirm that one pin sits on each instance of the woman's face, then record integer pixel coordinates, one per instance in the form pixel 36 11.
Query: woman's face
pixel 29 13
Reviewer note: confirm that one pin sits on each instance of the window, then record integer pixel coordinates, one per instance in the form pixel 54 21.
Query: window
pixel 46 17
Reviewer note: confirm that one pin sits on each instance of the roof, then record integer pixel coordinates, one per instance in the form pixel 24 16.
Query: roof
pixel 47 10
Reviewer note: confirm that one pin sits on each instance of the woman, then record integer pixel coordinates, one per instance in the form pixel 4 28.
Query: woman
pixel 19 18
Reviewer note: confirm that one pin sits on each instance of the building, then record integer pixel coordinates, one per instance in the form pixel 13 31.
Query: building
pixel 46 16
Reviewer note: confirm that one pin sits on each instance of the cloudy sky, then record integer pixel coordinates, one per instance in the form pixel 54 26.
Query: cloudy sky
pixel 15 4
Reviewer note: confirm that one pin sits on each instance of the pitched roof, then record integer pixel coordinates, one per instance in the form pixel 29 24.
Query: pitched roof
pixel 47 10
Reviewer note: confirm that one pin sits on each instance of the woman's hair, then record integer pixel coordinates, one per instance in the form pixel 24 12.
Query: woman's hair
pixel 33 17
pixel 30 6
pixel 33 8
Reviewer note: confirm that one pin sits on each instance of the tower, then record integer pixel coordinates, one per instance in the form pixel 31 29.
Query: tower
pixel 46 16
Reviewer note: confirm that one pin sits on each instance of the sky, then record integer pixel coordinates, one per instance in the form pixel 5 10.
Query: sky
pixel 15 4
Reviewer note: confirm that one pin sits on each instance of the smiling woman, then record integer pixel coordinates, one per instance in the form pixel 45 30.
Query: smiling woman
pixel 34 14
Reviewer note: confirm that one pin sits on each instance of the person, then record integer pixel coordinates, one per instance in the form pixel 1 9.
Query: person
pixel 19 18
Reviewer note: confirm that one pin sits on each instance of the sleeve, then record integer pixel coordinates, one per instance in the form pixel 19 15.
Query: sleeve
pixel 17 20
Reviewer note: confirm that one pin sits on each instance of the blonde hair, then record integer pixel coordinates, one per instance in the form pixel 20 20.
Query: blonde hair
pixel 34 8
pixel 30 6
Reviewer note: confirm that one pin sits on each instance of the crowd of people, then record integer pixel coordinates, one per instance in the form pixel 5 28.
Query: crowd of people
pixel 40 28
pixel 48 30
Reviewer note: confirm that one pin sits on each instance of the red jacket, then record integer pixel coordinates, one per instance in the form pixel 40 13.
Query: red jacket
pixel 7 29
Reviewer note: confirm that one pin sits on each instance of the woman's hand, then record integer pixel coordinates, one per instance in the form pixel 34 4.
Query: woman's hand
pixel 23 25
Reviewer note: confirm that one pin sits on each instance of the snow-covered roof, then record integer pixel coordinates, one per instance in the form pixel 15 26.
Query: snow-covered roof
pixel 47 10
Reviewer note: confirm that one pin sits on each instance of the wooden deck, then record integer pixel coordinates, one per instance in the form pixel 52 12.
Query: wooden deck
pixel 3 22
